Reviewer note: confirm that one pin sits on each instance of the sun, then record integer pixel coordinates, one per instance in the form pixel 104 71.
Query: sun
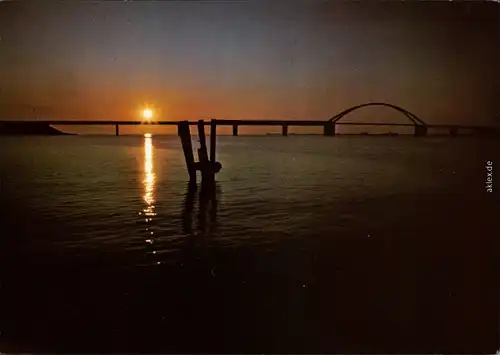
pixel 147 114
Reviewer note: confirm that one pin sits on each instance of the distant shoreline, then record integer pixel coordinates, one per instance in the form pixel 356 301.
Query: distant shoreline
pixel 29 129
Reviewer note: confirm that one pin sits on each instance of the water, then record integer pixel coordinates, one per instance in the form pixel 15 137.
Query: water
pixel 310 244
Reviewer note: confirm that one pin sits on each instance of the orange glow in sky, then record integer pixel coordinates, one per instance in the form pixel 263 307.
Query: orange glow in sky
pixel 174 61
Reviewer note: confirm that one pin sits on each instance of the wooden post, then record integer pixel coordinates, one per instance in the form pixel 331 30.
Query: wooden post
pixel 213 140
pixel 206 170
pixel 203 142
pixel 187 147
pixel 235 130
pixel 453 131
pixel 284 130
pixel 117 130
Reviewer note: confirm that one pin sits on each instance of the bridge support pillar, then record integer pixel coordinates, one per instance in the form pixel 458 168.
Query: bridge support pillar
pixel 284 130
pixel 329 129
pixel 420 131
pixel 235 130
pixel 453 131
pixel 117 130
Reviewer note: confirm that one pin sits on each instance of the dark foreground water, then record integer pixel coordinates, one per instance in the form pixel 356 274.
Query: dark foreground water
pixel 310 244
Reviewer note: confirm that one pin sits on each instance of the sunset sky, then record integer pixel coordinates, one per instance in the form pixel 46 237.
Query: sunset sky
pixel 249 59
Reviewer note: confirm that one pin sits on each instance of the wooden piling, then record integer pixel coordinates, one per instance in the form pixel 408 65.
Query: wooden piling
pixel 203 142
pixel 213 140
pixel 235 130
pixel 206 170
pixel 185 135
pixel 117 130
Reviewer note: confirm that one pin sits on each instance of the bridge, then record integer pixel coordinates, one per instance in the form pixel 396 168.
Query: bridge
pixel 207 164
pixel 420 128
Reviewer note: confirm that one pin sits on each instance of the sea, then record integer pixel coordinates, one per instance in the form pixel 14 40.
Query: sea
pixel 308 244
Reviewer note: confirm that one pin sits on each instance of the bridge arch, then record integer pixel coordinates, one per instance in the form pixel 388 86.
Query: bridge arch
pixel 413 118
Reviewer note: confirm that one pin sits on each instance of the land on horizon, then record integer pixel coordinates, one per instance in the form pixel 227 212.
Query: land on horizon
pixel 30 128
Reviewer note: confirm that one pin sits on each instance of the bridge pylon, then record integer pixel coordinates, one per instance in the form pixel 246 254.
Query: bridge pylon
pixel 329 129
pixel 420 131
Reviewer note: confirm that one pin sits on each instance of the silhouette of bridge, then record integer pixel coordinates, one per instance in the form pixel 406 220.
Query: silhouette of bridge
pixel 420 126
pixel 329 126
pixel 207 164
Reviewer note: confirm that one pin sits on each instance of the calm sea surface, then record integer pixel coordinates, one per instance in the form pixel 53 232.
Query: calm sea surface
pixel 310 244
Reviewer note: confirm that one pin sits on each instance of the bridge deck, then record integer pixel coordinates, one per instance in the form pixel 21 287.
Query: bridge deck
pixel 220 122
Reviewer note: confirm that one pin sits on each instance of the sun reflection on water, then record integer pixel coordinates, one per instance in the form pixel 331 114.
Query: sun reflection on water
pixel 149 182
pixel 149 177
